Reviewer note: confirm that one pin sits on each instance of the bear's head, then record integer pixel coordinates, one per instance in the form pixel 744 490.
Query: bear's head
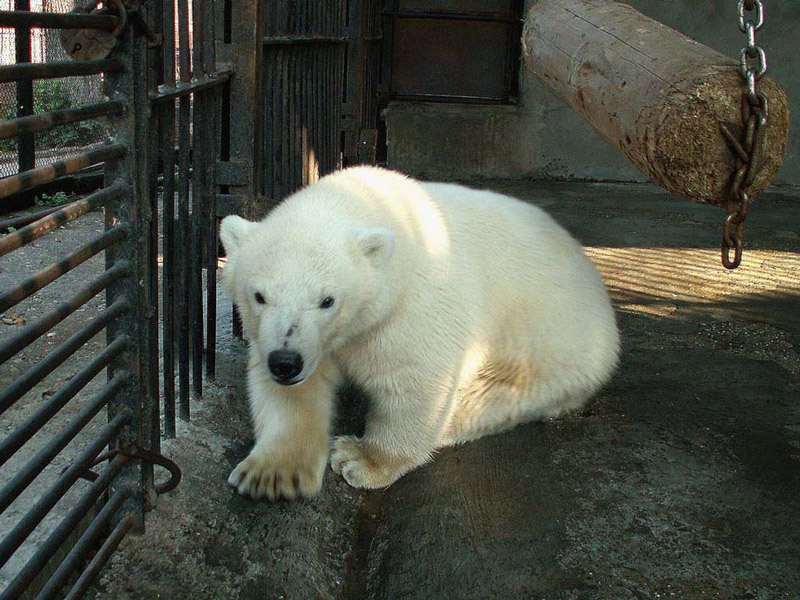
pixel 305 291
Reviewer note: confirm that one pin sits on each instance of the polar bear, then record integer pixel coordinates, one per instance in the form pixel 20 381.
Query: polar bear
pixel 461 312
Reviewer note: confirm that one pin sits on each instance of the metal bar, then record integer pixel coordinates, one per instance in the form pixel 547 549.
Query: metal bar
pixel 70 212
pixel 169 247
pixel 48 500
pixel 26 149
pixel 49 120
pixel 17 438
pixel 475 16
pixel 304 39
pixel 168 92
pixel 199 164
pixel 30 179
pixel 182 264
pixel 46 20
pixel 22 220
pixel 62 68
pixel 73 518
pixel 101 558
pixel 212 98
pixel 37 464
pixel 30 333
pixel 86 543
pixel 55 270
pixel 24 383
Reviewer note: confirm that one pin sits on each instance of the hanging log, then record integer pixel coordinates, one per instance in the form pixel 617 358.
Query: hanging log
pixel 656 95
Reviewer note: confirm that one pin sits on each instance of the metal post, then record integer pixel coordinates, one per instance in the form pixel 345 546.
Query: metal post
pixel 134 210
pixel 26 152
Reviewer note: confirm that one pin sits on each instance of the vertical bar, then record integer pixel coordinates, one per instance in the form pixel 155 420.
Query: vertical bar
pixel 182 232
pixel 26 150
pixel 199 164
pixel 167 146
pixel 154 76
pixel 210 173
pixel 134 209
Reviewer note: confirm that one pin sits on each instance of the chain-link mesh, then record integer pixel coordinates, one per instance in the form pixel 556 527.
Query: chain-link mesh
pixel 49 94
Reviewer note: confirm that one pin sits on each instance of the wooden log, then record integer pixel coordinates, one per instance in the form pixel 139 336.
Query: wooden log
pixel 653 93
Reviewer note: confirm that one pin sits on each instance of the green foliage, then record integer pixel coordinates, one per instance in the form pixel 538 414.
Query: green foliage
pixel 49 95
pixel 56 199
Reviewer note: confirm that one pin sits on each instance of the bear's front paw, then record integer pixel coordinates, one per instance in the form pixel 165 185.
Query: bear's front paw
pixel 364 466
pixel 261 475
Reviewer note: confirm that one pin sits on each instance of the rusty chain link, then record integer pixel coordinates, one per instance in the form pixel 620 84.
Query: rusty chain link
pixel 748 145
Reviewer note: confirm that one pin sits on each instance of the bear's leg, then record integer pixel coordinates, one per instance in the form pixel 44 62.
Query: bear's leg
pixel 400 435
pixel 292 439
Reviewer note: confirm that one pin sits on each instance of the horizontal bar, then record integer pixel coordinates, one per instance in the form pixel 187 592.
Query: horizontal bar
pixel 39 462
pixel 22 220
pixel 475 16
pixel 55 270
pixel 169 92
pixel 70 212
pixel 303 39
pixel 22 433
pixel 30 179
pixel 61 68
pixel 86 543
pixel 48 500
pixel 30 333
pixel 99 560
pixel 55 118
pixel 45 20
pixel 24 383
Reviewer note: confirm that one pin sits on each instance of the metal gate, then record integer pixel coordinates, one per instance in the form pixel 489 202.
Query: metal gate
pixel 213 107
pixel 165 99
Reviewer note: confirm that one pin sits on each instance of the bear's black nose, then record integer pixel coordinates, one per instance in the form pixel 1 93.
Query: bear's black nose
pixel 285 364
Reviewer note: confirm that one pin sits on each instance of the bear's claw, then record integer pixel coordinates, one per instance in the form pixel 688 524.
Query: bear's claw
pixel 258 477
pixel 361 467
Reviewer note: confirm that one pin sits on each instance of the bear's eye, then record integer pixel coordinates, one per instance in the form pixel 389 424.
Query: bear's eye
pixel 326 303
pixel 260 298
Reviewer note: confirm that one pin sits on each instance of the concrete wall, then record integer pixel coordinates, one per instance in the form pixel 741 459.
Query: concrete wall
pixel 542 138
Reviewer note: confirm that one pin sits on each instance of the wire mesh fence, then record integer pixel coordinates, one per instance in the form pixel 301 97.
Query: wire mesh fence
pixel 48 94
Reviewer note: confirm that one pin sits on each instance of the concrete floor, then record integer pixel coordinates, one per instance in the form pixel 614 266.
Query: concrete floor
pixel 680 479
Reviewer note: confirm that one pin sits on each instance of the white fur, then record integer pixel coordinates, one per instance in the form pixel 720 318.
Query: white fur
pixel 461 312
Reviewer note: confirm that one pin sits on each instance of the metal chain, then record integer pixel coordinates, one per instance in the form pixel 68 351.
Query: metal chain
pixel 748 146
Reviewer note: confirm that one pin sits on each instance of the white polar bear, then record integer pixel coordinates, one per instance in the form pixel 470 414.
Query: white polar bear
pixel 461 312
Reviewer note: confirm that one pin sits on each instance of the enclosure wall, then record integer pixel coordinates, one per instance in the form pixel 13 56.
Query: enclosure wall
pixel 542 137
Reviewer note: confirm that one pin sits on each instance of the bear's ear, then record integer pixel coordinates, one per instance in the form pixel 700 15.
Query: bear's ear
pixel 233 231
pixel 377 245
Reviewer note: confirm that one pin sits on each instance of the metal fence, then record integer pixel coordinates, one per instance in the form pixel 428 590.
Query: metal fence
pixel 162 97
pixel 40 46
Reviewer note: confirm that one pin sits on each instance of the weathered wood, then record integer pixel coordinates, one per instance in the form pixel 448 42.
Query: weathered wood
pixel 651 92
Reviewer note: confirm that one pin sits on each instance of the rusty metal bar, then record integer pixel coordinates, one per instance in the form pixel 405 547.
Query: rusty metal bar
pixel 46 20
pixel 49 120
pixel 304 39
pixel 182 234
pixel 169 247
pixel 101 558
pixel 55 270
pixel 34 516
pixel 48 500
pixel 22 220
pixel 34 177
pixel 35 330
pixel 86 543
pixel 17 438
pixel 70 212
pixel 25 382
pixel 55 69
pixel 37 464
pixel 168 92
pixel 26 145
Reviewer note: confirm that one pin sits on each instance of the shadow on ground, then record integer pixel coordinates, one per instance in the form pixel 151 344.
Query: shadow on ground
pixel 681 479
